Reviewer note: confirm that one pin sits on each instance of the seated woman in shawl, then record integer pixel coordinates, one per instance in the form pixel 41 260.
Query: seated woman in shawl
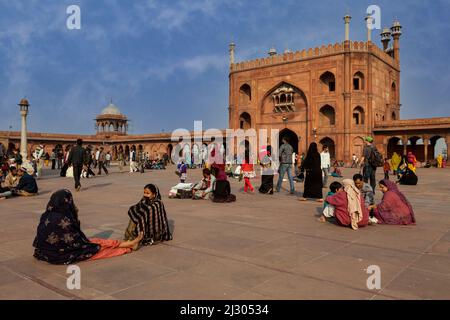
pixel 59 238
pixel 222 190
pixel 149 217
pixel 394 208
pixel 350 210
pixel 205 187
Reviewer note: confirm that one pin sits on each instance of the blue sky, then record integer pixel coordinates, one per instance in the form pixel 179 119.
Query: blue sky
pixel 165 63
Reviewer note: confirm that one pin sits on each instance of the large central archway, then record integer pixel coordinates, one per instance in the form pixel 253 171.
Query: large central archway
pixel 291 137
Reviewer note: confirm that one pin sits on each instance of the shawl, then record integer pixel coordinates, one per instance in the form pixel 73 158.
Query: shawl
pixel 149 216
pixel 312 160
pixel 59 239
pixel 354 202
pixel 392 187
pixel 395 161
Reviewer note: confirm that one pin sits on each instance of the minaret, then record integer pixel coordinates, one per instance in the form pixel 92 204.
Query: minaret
pixel 232 47
pixel 347 19
pixel 396 33
pixel 23 104
pixel 369 20
pixel 385 38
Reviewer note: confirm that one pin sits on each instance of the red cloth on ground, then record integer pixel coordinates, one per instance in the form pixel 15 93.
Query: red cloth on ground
pixel 109 248
pixel 340 202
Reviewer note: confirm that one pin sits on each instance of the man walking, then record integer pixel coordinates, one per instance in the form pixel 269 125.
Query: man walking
pixel 97 154
pixel 369 168
pixel 133 159
pixel 102 162
pixel 325 162
pixel 77 158
pixel 286 152
pixel 38 156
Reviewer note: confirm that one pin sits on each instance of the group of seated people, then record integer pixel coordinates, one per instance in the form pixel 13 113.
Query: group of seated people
pixel 157 164
pixel 60 240
pixel 213 186
pixel 17 182
pixel 351 204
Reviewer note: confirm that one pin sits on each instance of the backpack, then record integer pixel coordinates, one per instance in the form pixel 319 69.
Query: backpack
pixel 376 158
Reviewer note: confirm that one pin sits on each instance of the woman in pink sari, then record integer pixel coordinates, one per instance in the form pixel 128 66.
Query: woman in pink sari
pixel 394 208
pixel 350 210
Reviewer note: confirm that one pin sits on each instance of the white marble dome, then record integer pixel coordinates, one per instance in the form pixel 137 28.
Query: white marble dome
pixel 111 109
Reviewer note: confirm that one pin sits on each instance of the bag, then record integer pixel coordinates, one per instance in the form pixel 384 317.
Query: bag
pixel 301 176
pixel 184 194
pixel 376 158
pixel 64 170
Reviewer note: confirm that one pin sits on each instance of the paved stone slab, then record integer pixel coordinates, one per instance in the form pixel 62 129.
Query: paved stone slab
pixel 261 247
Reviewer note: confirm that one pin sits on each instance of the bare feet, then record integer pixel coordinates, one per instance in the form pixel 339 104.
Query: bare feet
pixel 322 219
pixel 319 200
pixel 135 242
pixel 302 199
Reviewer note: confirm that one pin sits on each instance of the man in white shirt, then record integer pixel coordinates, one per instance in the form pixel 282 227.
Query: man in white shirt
pixel 133 160
pixel 97 154
pixel 38 158
pixel 325 162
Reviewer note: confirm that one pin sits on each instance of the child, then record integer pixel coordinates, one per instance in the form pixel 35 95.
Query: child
pixel 328 209
pixel 183 172
pixel 337 173
pixel 387 168
pixel 248 173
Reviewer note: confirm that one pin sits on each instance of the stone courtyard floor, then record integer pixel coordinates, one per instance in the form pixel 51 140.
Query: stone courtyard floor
pixel 260 247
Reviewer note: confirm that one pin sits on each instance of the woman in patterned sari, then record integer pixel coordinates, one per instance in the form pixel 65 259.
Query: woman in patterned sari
pixel 149 216
pixel 59 238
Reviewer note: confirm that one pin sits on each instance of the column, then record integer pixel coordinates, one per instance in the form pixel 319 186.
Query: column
pixel 347 101
pixel 405 146
pixel 425 146
pixel 23 136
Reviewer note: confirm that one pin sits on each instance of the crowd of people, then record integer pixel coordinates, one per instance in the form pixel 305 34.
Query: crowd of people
pixel 348 203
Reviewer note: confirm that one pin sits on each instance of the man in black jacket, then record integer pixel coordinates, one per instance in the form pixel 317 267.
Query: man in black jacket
pixel 77 158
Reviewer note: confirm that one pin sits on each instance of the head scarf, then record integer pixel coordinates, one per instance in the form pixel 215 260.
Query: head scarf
pixel 369 139
pixel 59 239
pixel 149 216
pixel 392 187
pixel 354 202
pixel 312 157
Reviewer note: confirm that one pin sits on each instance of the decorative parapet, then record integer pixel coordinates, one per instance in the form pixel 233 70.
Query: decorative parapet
pixel 430 123
pixel 305 54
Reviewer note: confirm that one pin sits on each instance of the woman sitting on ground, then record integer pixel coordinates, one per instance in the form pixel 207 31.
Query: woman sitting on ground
pixel 350 210
pixel 205 188
pixel 394 208
pixel 222 190
pixel 149 216
pixel 59 238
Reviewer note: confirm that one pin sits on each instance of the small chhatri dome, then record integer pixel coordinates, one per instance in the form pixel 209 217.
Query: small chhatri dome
pixel 23 102
pixel 111 109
